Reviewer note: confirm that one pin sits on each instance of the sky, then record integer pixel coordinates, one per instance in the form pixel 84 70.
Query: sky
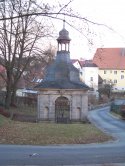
pixel 111 13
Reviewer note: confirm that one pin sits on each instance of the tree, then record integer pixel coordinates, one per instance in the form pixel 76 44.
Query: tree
pixel 36 69
pixel 2 82
pixel 106 88
pixel 19 42
pixel 21 31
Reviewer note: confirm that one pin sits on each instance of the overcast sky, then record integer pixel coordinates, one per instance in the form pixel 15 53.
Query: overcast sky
pixel 108 12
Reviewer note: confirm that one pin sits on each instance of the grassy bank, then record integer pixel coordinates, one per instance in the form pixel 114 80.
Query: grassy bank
pixel 13 132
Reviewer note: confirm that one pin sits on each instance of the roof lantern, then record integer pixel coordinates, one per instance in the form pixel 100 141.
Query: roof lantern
pixel 63 39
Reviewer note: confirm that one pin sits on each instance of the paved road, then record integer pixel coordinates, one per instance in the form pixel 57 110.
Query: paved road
pixel 104 120
pixel 78 155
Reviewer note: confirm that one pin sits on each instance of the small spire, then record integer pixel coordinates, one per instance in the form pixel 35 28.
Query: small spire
pixel 64 24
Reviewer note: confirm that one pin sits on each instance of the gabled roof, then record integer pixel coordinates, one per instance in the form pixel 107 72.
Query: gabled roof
pixel 110 58
pixel 76 60
pixel 84 63
pixel 89 63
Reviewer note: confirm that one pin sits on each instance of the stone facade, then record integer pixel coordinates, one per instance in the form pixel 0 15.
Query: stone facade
pixel 78 101
pixel 62 97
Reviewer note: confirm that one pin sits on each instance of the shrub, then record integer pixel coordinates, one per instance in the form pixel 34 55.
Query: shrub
pixel 122 111
pixel 115 108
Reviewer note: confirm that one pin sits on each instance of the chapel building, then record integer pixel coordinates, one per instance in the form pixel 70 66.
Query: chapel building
pixel 62 97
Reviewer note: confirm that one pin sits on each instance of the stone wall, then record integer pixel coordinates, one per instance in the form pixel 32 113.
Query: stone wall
pixel 78 104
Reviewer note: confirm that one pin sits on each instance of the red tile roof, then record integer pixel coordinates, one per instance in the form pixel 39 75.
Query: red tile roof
pixel 110 58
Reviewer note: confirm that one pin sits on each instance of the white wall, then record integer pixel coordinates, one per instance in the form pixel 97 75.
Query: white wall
pixel 86 73
pixel 90 76
pixel 77 65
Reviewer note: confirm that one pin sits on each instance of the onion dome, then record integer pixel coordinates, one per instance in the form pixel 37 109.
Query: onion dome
pixel 63 35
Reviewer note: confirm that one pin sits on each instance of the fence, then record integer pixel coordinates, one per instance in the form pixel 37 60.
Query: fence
pixel 26 104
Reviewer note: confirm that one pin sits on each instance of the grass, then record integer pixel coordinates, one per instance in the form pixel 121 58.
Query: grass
pixel 14 132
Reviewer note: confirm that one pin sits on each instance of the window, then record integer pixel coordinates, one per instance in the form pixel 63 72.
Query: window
pixel 110 71
pixel 115 81
pixel 115 72
pixel 122 76
pixel 104 71
pixel 104 81
pixel 91 78
pixel 122 71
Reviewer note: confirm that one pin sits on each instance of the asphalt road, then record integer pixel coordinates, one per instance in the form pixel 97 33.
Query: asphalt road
pixel 111 125
pixel 110 152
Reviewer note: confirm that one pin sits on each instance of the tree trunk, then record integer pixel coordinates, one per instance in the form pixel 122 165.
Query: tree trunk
pixel 13 97
pixel 8 97
pixel 8 100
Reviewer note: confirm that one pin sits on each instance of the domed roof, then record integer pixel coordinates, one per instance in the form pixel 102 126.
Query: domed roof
pixel 63 35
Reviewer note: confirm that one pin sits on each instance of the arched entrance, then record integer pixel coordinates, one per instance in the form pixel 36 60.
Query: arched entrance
pixel 62 110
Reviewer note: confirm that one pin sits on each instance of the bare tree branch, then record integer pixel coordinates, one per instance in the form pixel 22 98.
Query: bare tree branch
pixel 65 6
pixel 55 17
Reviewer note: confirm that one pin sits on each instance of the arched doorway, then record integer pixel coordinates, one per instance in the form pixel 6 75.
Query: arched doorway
pixel 62 110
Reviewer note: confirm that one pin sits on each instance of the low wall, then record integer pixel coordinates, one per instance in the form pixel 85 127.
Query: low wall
pixel 93 107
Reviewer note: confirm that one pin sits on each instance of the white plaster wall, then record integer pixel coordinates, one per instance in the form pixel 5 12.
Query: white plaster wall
pixel 77 65
pixel 87 73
